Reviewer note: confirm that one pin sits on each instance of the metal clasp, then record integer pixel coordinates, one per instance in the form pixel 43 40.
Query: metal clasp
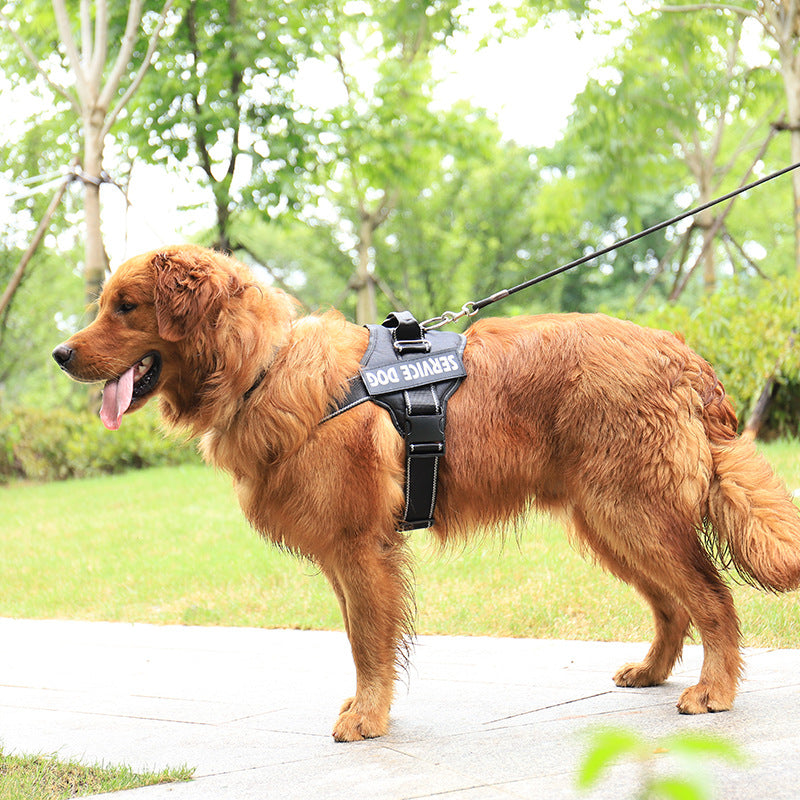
pixel 467 310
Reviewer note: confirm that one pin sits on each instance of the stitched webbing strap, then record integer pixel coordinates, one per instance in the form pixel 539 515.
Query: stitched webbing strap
pixel 424 447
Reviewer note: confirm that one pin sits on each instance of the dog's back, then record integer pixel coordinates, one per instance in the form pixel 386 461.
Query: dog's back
pixel 565 409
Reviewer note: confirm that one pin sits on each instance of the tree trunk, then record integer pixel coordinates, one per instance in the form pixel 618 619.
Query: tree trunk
pixel 705 222
pixel 790 72
pixel 758 416
pixel 366 306
pixel 96 260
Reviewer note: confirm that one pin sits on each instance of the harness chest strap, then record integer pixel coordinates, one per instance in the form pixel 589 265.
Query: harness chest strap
pixel 411 373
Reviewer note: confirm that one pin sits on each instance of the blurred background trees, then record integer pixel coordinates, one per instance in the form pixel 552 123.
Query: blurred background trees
pixel 317 145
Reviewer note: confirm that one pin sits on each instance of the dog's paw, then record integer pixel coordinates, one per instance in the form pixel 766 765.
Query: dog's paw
pixel 637 676
pixel 354 725
pixel 701 699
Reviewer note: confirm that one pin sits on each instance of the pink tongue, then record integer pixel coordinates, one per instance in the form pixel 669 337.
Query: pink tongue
pixel 117 397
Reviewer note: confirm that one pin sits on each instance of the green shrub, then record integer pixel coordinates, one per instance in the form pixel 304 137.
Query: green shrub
pixel 54 444
pixel 747 330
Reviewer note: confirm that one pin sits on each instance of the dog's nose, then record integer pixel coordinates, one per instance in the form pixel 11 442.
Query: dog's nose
pixel 63 355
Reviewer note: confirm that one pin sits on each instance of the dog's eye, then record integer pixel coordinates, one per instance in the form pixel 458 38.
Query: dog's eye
pixel 125 307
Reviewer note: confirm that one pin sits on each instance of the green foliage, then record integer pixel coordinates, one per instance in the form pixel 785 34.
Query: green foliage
pixel 663 124
pixel 746 330
pixel 691 751
pixel 457 212
pixel 33 324
pixel 303 259
pixel 468 229
pixel 220 97
pixel 55 444
pixel 384 138
pixel 50 135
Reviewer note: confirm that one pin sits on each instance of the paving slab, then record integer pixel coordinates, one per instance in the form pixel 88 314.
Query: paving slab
pixel 474 718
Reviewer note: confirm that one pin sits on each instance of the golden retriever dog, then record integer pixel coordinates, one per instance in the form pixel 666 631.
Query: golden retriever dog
pixel 622 431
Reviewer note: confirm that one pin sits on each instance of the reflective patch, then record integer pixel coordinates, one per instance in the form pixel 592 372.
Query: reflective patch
pixel 410 372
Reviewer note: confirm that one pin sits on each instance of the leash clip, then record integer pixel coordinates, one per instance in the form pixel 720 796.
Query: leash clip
pixel 467 310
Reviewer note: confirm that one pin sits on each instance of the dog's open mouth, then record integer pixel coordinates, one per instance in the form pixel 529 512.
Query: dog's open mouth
pixel 134 384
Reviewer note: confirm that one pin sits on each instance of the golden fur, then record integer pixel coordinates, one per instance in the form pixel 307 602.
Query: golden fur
pixel 621 430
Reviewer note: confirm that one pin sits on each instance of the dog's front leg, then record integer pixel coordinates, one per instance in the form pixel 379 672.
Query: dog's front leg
pixel 370 575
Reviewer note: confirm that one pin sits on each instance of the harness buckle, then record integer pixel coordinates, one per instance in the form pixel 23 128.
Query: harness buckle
pixel 422 428
pixel 411 346
pixel 426 449
pixel 425 437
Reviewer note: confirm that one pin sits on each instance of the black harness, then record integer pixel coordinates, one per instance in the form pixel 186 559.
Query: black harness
pixel 411 373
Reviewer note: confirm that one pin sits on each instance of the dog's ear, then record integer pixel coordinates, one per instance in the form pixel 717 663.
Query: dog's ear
pixel 189 289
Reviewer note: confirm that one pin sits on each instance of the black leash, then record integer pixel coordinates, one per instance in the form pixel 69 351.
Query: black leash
pixel 471 308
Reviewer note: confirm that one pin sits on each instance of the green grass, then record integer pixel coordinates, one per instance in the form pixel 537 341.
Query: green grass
pixel 169 545
pixel 47 778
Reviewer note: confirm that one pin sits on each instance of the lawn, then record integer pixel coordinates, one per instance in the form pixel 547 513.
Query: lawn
pixel 47 778
pixel 171 546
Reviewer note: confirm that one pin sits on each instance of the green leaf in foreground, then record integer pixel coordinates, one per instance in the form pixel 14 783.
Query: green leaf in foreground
pixel 701 745
pixel 672 768
pixel 672 788
pixel 608 746
pixel 38 777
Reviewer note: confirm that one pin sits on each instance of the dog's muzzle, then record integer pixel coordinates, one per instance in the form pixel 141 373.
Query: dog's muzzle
pixel 63 354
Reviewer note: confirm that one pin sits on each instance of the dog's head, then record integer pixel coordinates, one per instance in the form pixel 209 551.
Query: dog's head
pixel 183 322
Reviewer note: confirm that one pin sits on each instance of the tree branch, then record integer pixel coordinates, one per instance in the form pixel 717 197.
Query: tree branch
pixel 740 10
pixel 764 21
pixel 716 225
pixel 387 291
pixel 238 244
pixel 34 62
pixel 124 55
pixel 731 58
pixel 199 135
pixel 44 223
pixel 386 207
pixel 729 241
pixel 68 40
pixel 681 242
pixel 349 93
pixel 744 141
pixel 236 84
pixel 143 67
pixel 86 30
pixel 98 55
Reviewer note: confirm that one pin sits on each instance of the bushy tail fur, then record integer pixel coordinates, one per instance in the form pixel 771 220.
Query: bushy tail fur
pixel 756 523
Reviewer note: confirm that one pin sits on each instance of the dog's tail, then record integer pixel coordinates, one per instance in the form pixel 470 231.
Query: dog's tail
pixel 757 525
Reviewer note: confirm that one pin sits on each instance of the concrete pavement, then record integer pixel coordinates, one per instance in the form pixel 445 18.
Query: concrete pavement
pixel 475 719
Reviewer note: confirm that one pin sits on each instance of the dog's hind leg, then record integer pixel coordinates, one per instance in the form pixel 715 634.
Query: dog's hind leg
pixel 671 624
pixel 710 605
pixel 370 575
pixel 677 577
pixel 670 617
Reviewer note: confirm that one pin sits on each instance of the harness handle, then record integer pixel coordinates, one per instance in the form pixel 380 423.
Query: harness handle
pixel 408 336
